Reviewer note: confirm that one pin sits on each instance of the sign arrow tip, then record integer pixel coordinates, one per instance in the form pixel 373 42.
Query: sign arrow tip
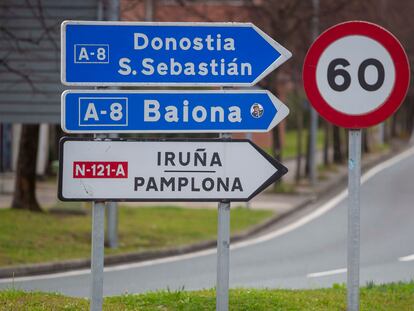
pixel 282 111
pixel 280 171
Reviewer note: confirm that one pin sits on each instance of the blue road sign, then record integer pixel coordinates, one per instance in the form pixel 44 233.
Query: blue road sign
pixel 130 53
pixel 170 111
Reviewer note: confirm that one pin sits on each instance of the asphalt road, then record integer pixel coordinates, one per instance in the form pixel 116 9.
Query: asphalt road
pixel 307 253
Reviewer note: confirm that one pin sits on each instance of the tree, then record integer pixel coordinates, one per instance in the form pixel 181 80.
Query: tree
pixel 338 152
pixel 326 143
pixel 24 48
pixel 24 196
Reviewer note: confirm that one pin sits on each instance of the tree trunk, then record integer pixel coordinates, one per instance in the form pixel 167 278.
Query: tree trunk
pixel 24 196
pixel 277 149
pixel 394 126
pixel 326 128
pixel 409 116
pixel 366 146
pixel 387 130
pixel 299 124
pixel 307 162
pixel 338 154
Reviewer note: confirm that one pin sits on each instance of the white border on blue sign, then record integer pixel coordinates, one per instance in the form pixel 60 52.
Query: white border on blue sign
pixel 282 110
pixel 284 53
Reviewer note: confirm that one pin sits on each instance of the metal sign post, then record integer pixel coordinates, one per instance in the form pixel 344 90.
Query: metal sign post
pixel 249 136
pixel 223 256
pixel 111 208
pixel 112 13
pixel 223 252
pixel 112 224
pixel 97 255
pixel 356 74
pixel 354 183
pixel 165 54
pixel 313 129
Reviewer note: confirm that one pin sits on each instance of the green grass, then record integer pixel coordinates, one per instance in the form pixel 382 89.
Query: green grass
pixel 27 237
pixel 290 148
pixel 389 297
pixel 284 188
pixel 291 138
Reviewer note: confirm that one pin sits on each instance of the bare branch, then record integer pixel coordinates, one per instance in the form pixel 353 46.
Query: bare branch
pixel 26 46
pixel 189 8
pixel 19 73
pixel 130 5
pixel 43 23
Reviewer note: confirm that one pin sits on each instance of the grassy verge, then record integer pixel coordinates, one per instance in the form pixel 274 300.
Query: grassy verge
pixel 390 297
pixel 291 138
pixel 290 148
pixel 32 237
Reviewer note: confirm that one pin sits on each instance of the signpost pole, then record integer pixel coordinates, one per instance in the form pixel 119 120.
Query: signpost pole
pixel 97 255
pixel 112 13
pixel 372 102
pixel 223 252
pixel 313 114
pixel 112 224
pixel 83 55
pixel 354 183
pixel 249 136
pixel 223 256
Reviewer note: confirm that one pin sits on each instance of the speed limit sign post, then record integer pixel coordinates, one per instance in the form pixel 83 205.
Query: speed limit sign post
pixel 356 74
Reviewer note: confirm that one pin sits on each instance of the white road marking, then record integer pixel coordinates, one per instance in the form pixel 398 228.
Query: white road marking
pixel 111 268
pixel 298 223
pixel 326 273
pixel 406 258
pixel 328 205
pixel 46 276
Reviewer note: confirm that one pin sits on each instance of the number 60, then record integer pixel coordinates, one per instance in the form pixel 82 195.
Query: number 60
pixel 333 72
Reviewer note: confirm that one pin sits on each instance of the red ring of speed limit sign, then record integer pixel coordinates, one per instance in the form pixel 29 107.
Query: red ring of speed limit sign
pixel 385 104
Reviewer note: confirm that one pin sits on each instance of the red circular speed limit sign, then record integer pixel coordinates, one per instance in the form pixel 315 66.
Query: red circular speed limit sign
pixel 356 74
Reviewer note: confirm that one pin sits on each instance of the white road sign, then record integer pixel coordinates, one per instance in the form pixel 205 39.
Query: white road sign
pixel 160 170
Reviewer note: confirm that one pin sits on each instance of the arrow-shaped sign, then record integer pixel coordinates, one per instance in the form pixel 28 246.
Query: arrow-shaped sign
pixel 136 53
pixel 170 111
pixel 164 170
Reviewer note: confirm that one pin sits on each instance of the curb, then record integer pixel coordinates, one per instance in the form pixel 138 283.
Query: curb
pixel 110 260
